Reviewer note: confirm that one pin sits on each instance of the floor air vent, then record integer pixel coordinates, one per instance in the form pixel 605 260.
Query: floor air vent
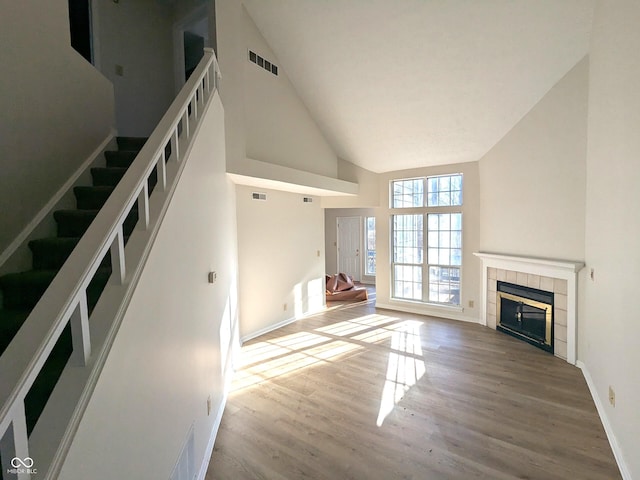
pixel 259 196
pixel 262 62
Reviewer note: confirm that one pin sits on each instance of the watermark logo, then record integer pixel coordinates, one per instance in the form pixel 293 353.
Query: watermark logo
pixel 22 465
pixel 27 462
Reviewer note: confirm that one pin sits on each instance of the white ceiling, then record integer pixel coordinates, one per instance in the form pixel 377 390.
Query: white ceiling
pixel 396 84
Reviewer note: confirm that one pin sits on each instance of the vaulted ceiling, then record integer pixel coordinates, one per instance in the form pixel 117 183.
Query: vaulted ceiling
pixel 410 83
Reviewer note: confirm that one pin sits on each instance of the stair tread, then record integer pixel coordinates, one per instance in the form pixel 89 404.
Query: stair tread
pixel 54 241
pixel 76 213
pixel 109 169
pixel 96 188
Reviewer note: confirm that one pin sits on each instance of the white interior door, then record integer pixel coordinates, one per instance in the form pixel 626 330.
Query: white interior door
pixel 349 235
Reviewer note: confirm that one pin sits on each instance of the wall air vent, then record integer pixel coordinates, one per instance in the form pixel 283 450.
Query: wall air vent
pixel 259 196
pixel 307 199
pixel 263 63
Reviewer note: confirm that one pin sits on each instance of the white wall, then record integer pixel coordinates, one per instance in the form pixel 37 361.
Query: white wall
pixel 137 36
pixel 331 239
pixel 368 187
pixel 167 357
pixel 55 109
pixel 266 120
pixel 533 180
pixel 609 327
pixel 278 244
pixel 471 281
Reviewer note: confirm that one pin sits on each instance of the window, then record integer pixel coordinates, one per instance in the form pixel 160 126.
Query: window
pixel 408 193
pixel 444 191
pixel 444 246
pixel 370 244
pixel 408 256
pixel 427 244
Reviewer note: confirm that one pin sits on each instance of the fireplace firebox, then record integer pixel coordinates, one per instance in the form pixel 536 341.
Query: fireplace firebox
pixel 525 313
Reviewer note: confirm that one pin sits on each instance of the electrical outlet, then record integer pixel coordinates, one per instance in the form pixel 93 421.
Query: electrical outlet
pixel 592 274
pixel 612 396
pixel 208 405
pixel 284 307
pixel 318 252
pixel 471 303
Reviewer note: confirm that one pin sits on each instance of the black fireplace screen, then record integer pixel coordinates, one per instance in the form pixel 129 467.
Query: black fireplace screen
pixel 526 313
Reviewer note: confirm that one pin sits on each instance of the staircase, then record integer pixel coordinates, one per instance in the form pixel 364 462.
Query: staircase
pixel 55 336
pixel 21 291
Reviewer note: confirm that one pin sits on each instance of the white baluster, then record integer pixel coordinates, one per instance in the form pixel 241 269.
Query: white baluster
pixel 174 145
pixel 117 257
pixel 207 82
pixel 195 104
pixel 185 121
pixel 143 207
pixel 14 444
pixel 162 171
pixel 80 332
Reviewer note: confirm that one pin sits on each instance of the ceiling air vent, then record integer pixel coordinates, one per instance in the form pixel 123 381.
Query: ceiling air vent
pixel 263 63
pixel 259 196
pixel 307 199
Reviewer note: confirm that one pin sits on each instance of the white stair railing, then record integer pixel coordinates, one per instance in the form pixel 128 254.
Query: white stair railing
pixel 65 301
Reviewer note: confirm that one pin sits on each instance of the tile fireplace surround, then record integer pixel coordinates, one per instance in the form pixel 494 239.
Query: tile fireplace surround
pixel 557 276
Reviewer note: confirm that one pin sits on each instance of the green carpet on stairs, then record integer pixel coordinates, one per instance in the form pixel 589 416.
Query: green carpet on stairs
pixel 22 290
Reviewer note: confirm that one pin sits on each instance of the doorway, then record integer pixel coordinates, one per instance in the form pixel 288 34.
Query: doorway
pixel 349 233
pixel 80 28
pixel 190 36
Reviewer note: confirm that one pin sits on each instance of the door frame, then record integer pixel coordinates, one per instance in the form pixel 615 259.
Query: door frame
pixel 359 243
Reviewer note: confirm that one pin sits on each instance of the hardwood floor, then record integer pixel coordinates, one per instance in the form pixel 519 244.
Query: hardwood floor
pixel 363 393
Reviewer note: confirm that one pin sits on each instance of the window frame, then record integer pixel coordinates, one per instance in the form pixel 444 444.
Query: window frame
pixel 366 249
pixel 425 210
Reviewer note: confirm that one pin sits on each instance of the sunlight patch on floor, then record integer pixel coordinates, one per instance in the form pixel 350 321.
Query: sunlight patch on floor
pixel 405 366
pixel 273 356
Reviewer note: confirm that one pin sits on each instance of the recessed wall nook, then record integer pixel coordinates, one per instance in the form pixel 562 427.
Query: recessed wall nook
pixel 557 279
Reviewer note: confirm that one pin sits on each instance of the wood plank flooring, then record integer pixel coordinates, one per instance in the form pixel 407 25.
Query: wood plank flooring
pixel 364 393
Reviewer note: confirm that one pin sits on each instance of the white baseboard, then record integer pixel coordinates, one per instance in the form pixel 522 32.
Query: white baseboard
pixel 214 433
pixel 268 329
pixel 440 312
pixel 46 210
pixel 617 452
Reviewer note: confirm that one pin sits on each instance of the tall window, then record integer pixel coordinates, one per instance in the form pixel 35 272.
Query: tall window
pixel 434 226
pixel 370 244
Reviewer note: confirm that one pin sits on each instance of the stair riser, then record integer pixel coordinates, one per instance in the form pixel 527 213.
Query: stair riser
pixel 53 259
pixel 107 178
pixel 120 159
pixel 87 199
pixel 131 143
pixel 25 295
pixel 73 226
pixel 69 226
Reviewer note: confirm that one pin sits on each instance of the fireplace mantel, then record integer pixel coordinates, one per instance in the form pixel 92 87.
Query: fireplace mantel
pixel 554 268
